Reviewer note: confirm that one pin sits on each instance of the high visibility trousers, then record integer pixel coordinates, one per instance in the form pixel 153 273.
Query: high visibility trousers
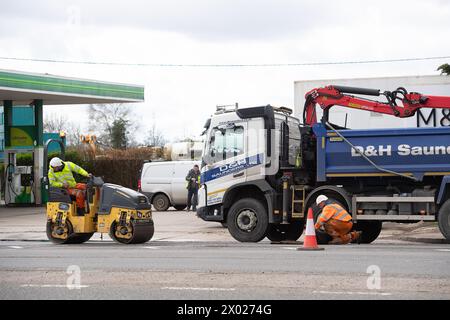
pixel 79 192
pixel 340 231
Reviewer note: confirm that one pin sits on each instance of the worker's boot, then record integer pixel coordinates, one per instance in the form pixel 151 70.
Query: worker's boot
pixel 356 236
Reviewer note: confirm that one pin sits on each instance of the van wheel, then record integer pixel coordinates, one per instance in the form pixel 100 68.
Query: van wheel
pixel 444 219
pixel 247 220
pixel 180 207
pixel 161 202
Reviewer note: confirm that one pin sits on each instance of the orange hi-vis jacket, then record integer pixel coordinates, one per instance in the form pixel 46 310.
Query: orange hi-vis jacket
pixel 332 211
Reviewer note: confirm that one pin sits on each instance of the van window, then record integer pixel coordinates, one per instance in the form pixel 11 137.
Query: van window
pixel 226 143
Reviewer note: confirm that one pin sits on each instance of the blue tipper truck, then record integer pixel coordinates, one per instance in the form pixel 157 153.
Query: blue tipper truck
pixel 406 180
pixel 398 175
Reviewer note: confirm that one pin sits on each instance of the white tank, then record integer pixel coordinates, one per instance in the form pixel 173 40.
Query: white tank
pixel 188 150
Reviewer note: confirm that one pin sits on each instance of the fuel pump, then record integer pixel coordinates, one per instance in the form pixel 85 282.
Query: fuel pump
pixel 19 180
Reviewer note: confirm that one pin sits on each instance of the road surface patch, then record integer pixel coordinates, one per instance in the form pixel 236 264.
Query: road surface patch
pixel 355 293
pixel 50 286
pixel 198 289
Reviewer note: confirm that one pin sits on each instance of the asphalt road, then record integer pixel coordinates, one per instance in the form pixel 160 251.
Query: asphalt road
pixel 222 270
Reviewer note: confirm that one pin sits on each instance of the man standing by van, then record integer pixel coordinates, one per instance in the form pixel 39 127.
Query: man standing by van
pixel 193 183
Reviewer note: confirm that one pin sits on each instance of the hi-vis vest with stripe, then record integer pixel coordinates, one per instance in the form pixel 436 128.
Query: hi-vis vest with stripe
pixel 333 211
pixel 57 179
pixel 188 182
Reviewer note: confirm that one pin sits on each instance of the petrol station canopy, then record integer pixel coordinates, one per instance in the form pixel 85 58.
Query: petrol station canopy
pixel 22 88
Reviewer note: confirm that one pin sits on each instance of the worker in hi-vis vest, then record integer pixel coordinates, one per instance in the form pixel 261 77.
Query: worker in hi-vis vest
pixel 60 176
pixel 193 184
pixel 336 222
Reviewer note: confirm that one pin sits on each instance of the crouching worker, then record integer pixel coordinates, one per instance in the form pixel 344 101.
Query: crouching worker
pixel 60 176
pixel 336 221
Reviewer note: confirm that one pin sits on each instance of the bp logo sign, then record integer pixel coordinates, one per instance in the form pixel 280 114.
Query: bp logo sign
pixel 22 136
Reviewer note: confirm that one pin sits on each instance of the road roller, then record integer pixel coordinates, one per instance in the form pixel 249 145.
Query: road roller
pixel 121 212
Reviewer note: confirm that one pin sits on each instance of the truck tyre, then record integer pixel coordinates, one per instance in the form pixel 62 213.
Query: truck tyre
pixel 370 230
pixel 161 202
pixel 444 219
pixel 180 207
pixel 247 220
pixel 285 232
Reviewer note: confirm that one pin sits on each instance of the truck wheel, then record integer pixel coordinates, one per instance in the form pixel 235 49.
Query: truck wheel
pixel 161 202
pixel 370 230
pixel 285 232
pixel 180 207
pixel 247 220
pixel 444 219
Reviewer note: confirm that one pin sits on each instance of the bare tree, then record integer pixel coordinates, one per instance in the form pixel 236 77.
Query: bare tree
pixel 55 123
pixel 73 134
pixel 155 137
pixel 102 120
pixel 58 123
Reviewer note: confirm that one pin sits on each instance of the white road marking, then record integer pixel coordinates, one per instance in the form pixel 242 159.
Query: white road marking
pixel 374 293
pixel 151 247
pixel 15 247
pixel 443 250
pixel 198 289
pixel 290 248
pixel 49 286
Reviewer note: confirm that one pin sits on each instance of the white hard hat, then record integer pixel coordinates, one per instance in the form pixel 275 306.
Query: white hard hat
pixel 56 162
pixel 321 198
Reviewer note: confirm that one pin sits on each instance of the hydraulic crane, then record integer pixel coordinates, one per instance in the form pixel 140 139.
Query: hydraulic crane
pixel 329 96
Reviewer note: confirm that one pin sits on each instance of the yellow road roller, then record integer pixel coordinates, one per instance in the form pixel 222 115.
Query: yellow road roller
pixel 122 212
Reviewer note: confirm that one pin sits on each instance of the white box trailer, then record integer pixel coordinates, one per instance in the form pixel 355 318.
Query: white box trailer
pixel 438 85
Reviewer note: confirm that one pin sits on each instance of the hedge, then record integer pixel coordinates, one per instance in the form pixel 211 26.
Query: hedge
pixel 120 167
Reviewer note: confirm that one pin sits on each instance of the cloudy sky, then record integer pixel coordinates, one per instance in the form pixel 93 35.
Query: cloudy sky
pixel 221 32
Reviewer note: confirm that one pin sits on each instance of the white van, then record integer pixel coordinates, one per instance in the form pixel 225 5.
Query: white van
pixel 164 183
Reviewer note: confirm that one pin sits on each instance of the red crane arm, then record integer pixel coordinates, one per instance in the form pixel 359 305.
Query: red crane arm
pixel 330 96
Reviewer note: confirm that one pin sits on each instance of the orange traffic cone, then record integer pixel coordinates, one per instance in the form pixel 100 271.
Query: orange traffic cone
pixel 310 242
